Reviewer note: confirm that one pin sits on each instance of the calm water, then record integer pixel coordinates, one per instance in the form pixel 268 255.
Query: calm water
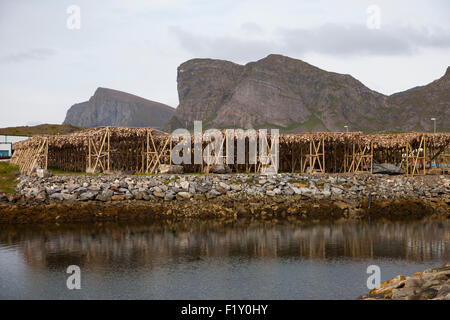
pixel 206 260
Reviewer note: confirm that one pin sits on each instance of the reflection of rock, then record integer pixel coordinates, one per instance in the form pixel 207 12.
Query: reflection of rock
pixel 151 244
pixel 386 168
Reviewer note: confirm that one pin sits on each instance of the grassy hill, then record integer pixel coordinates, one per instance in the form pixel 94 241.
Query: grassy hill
pixel 51 129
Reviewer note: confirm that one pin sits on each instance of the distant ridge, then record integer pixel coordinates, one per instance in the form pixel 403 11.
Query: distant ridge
pixel 108 107
pixel 42 129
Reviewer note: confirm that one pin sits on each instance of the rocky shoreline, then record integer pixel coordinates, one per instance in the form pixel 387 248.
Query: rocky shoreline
pixel 432 284
pixel 308 197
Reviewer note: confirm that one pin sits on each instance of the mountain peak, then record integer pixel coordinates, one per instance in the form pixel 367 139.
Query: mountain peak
pixel 109 107
pixel 447 73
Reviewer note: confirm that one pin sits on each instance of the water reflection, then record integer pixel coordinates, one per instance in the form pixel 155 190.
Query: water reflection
pixel 163 243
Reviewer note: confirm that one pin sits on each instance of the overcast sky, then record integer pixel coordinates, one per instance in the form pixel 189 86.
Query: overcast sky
pixel 137 45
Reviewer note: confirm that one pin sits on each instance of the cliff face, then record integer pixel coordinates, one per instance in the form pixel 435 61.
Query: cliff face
pixel 281 92
pixel 109 107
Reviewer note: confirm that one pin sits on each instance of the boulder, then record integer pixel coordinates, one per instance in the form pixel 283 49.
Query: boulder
pixel 170 169
pixel 218 168
pixel 43 173
pixel 88 196
pixel 387 168
pixel 57 196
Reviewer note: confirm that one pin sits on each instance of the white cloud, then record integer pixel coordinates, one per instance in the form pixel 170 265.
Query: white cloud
pixel 329 39
pixel 137 45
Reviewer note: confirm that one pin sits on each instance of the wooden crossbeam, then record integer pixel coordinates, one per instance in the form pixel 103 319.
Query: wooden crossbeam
pixel 362 159
pixel 316 155
pixel 101 156
pixel 29 158
pixel 416 158
pixel 153 154
pixel 263 160
pixel 217 155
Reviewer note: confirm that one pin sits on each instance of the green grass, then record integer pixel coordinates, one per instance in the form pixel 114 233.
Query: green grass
pixel 8 176
pixel 312 122
pixel 252 181
pixel 292 181
pixel 62 172
pixel 51 129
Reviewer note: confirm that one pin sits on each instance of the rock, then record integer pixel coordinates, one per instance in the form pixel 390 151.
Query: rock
pixel 41 197
pixel 68 196
pixel 169 196
pixel 213 193
pixel 118 197
pixel 43 173
pixel 403 293
pixel 201 189
pixel 357 188
pixel 78 190
pixel 221 190
pixel 426 294
pixel 57 196
pixel 336 191
pixel 123 185
pixel 159 194
pixel 113 107
pixel 386 168
pixel 288 192
pixel 185 195
pixel 146 196
pixel 444 291
pixel 218 168
pixel 414 282
pixel 88 196
pixel 94 188
pixel 431 283
pixel 227 94
pixel 139 195
pixel 105 196
pixel 171 169
pixel 224 186
pixel 297 190
pixel 184 185
pixel 128 196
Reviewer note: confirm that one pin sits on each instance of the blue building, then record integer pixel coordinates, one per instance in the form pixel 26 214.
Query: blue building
pixel 6 145
pixel 5 150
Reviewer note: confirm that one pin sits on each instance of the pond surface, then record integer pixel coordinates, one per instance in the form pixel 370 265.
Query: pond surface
pixel 213 260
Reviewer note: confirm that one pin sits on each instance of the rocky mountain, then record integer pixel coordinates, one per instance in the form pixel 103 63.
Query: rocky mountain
pixel 109 107
pixel 418 105
pixel 292 95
